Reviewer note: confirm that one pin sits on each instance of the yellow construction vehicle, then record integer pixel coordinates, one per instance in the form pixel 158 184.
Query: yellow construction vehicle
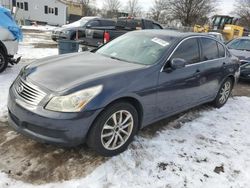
pixel 226 25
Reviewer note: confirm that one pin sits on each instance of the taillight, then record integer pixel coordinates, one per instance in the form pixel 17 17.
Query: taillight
pixel 106 37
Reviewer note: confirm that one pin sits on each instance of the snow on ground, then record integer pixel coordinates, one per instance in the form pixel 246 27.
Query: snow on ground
pixel 29 52
pixel 39 27
pixel 209 151
pixel 6 79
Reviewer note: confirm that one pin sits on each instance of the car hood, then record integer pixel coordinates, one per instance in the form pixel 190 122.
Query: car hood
pixel 59 73
pixel 241 54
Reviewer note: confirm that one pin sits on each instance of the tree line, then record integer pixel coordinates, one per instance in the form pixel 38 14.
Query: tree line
pixel 185 12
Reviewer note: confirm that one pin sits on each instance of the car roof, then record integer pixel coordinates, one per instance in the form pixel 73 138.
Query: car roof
pixel 173 33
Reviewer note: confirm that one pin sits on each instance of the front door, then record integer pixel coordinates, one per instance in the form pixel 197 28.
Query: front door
pixel 179 89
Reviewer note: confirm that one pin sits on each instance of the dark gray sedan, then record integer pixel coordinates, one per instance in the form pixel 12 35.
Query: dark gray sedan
pixel 240 47
pixel 104 97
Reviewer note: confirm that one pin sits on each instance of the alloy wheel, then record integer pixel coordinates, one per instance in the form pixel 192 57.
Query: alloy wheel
pixel 225 92
pixel 117 130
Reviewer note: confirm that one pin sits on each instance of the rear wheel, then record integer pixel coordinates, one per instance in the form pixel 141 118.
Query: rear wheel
pixel 114 129
pixel 3 61
pixel 224 93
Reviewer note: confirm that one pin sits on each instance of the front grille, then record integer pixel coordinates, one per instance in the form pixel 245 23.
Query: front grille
pixel 28 92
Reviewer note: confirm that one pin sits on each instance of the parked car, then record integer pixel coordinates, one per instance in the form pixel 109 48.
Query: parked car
pixel 240 47
pixel 245 72
pixel 95 37
pixel 105 96
pixel 217 35
pixel 10 34
pixel 77 29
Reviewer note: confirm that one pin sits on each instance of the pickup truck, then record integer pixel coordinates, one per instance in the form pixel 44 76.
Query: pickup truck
pixel 96 36
pixel 10 34
pixel 77 29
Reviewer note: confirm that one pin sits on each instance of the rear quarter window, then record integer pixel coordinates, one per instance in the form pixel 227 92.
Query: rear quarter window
pixel 209 49
pixel 221 50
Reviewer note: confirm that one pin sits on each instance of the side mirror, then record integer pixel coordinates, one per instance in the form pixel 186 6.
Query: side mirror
pixel 178 63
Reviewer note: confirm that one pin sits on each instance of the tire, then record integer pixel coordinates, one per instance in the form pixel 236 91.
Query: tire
pixel 3 61
pixel 105 136
pixel 224 93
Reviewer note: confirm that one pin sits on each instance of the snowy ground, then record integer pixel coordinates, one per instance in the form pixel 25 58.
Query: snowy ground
pixel 204 147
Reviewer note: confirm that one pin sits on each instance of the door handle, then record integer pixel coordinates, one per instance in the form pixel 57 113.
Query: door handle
pixel 223 65
pixel 197 73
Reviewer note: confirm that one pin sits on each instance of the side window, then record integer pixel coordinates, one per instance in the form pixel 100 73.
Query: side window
pixel 209 49
pixel 189 51
pixel 221 50
pixel 156 26
pixel 148 24
pixel 94 23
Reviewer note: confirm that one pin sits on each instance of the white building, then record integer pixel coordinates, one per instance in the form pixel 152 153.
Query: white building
pixel 6 3
pixel 53 12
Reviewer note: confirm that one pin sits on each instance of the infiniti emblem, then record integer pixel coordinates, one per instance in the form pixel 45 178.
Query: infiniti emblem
pixel 20 89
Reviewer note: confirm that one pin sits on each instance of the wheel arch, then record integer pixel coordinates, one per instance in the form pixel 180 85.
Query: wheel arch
pixel 2 47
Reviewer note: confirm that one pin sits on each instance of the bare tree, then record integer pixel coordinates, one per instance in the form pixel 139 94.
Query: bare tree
pixel 191 12
pixel 133 7
pixel 111 7
pixel 86 7
pixel 242 9
pixel 159 8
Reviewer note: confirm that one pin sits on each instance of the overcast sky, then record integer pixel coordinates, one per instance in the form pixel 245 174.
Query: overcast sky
pixel 226 6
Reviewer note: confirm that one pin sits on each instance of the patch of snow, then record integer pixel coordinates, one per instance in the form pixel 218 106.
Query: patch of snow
pixel 209 151
pixel 29 52
pixel 6 79
pixel 39 27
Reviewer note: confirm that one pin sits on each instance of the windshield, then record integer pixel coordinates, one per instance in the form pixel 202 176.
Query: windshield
pixel 239 44
pixel 137 48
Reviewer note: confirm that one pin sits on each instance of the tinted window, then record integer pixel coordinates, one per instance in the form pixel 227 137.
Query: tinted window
pixel 189 51
pixel 94 23
pixel 148 24
pixel 209 49
pixel 221 50
pixel 107 23
pixel 240 44
pixel 156 26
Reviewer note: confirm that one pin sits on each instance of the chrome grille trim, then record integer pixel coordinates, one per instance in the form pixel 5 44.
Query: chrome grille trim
pixel 30 93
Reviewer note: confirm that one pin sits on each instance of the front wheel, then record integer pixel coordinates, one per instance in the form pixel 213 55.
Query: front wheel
pixel 114 129
pixel 224 93
pixel 3 61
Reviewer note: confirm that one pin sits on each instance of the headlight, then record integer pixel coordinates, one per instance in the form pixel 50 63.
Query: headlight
pixel 74 102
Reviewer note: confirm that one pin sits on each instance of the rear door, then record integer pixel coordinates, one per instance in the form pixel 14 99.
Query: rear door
pixel 213 67
pixel 180 89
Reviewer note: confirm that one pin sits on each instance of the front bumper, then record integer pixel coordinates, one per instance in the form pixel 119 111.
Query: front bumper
pixel 62 129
